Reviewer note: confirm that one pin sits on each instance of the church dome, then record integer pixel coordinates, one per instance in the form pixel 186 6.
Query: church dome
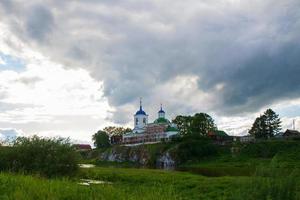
pixel 140 112
pixel 162 120
pixel 161 110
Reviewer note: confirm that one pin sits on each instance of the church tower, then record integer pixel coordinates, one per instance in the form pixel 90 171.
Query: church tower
pixel 161 113
pixel 140 118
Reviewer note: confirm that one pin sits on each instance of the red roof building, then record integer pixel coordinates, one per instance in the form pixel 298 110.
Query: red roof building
pixel 82 147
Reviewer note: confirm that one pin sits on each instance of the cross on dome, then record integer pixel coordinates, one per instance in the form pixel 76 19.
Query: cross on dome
pixel 161 110
pixel 140 112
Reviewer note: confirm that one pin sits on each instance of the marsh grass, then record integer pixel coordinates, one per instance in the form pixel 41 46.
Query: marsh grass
pixel 23 187
pixel 271 183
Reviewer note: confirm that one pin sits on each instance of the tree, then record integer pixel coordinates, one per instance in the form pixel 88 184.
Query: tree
pixel 114 130
pixel 273 123
pixel 258 128
pixel 266 125
pixel 46 156
pixel 202 123
pixel 101 139
pixel 183 124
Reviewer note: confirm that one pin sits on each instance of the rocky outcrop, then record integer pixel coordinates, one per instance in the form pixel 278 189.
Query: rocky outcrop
pixel 143 155
pixel 165 161
pixel 126 154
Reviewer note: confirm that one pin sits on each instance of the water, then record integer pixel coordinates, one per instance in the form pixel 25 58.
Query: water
pixel 88 182
pixel 86 165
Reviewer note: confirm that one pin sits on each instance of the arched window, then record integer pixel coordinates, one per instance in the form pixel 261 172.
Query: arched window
pixel 144 120
pixel 136 121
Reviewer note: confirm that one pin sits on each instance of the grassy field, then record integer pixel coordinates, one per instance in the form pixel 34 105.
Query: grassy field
pixel 125 183
pixel 261 171
pixel 27 187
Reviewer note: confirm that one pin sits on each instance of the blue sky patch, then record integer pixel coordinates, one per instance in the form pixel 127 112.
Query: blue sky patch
pixel 8 62
pixel 289 111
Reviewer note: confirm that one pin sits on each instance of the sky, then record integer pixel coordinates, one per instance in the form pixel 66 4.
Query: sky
pixel 70 68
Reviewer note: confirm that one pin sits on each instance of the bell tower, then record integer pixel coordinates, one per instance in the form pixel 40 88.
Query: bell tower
pixel 140 118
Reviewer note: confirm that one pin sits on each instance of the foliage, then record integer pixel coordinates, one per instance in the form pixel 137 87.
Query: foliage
pixel 101 139
pixel 46 156
pixel 114 130
pixel 267 125
pixel 271 183
pixel 258 128
pixel 22 187
pixel 200 123
pixel 184 185
pixel 273 123
pixel 268 149
pixel 195 147
pixel 183 124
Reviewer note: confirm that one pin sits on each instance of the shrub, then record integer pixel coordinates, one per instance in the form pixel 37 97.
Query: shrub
pixel 101 139
pixel 48 157
pixel 195 148
pixel 271 183
pixel 268 149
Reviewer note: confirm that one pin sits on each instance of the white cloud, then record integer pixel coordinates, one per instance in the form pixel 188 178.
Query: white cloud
pixel 222 57
pixel 47 98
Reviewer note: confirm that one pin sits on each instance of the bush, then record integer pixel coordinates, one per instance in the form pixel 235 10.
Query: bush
pixel 271 183
pixel 268 149
pixel 195 148
pixel 101 139
pixel 48 157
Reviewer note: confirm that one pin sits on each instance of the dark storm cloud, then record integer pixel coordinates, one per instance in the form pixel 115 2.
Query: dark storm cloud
pixel 247 49
pixel 261 80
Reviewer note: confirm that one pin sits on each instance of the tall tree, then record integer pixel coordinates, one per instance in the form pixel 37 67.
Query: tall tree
pixel 267 125
pixel 273 123
pixel 101 139
pixel 202 123
pixel 258 128
pixel 114 130
pixel 183 124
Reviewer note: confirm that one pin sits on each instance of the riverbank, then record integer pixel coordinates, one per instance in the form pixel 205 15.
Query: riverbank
pixel 132 183
pixel 223 162
pixel 124 184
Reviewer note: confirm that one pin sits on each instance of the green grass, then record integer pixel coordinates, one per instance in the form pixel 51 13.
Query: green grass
pixel 131 183
pixel 127 184
pixel 247 176
pixel 185 185
pixel 251 156
pixel 22 187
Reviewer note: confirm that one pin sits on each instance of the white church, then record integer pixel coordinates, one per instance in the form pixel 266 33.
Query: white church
pixel 159 130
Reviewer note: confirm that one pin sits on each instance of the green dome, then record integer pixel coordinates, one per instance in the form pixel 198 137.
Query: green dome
pixel 161 120
pixel 171 129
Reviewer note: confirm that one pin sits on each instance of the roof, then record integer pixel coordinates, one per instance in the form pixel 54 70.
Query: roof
pixel 82 146
pixel 161 110
pixel 161 120
pixel 140 111
pixel 289 132
pixel 218 133
pixel 170 128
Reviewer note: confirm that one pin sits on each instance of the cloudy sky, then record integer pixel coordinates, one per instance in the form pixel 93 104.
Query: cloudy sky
pixel 69 68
